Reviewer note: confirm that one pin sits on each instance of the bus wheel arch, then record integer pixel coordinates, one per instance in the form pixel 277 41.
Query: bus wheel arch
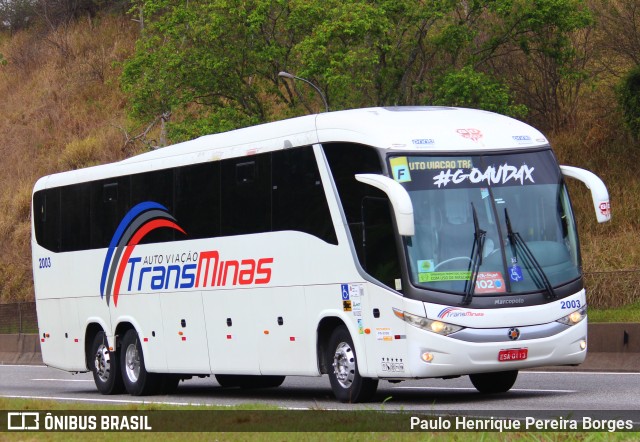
pixel 137 380
pixel 338 358
pixel 325 328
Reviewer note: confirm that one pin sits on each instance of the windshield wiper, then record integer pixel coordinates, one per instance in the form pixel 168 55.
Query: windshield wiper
pixel 518 244
pixel 476 258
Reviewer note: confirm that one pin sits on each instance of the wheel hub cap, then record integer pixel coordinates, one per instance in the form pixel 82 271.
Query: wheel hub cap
pixel 102 363
pixel 132 361
pixel 344 365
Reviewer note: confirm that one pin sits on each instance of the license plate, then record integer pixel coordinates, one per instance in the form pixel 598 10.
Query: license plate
pixel 513 354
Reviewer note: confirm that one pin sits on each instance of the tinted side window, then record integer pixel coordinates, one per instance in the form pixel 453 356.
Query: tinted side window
pixel 109 204
pixel 46 218
pixel 75 217
pixel 198 200
pixel 246 195
pixel 156 186
pixel 366 209
pixel 299 202
pixel 346 160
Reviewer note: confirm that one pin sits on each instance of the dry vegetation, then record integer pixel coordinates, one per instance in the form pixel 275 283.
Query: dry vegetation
pixel 62 108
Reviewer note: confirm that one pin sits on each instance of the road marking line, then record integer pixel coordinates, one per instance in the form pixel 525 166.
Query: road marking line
pixel 121 401
pixel 129 401
pixel 27 365
pixel 473 389
pixel 64 380
pixel 582 372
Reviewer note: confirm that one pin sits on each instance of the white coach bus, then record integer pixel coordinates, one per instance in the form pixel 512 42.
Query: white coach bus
pixel 370 244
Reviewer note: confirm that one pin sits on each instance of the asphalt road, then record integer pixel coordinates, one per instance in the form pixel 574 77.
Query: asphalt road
pixel 533 391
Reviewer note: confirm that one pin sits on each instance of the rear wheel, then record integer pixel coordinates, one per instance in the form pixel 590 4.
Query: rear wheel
pixel 491 383
pixel 137 380
pixel 249 381
pixel 346 382
pixel 105 367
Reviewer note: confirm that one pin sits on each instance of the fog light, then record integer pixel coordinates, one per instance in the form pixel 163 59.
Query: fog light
pixel 427 357
pixel 583 344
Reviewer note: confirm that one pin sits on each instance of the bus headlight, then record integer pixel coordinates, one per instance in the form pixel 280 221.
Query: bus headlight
pixel 575 317
pixel 439 327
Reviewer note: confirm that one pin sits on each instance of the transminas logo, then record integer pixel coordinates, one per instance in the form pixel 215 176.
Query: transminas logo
pixel 173 270
pixel 455 312
pixel 136 224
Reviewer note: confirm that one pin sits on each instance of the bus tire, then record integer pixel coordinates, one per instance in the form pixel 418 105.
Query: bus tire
pixel 491 383
pixel 346 382
pixel 249 381
pixel 105 366
pixel 137 380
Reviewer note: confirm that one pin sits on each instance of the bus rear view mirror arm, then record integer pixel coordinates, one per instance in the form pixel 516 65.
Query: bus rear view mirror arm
pixel 599 193
pixel 399 197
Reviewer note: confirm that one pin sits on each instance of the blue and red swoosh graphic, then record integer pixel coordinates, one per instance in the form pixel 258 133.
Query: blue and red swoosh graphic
pixel 136 224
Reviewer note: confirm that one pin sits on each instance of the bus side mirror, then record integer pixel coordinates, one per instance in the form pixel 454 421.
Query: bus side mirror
pixel 399 197
pixel 599 193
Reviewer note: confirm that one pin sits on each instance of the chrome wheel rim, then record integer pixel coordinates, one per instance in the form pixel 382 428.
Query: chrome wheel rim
pixel 102 363
pixel 344 365
pixel 132 363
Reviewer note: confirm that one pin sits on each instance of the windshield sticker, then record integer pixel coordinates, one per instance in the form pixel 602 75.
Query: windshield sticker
pixel 490 282
pixel 450 163
pixel 444 276
pixel 470 134
pixel 400 169
pixel 426 265
pixel 503 174
pixel 515 273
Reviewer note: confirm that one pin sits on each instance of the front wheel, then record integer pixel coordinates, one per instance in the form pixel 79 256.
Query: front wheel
pixel 491 383
pixel 105 367
pixel 137 380
pixel 346 382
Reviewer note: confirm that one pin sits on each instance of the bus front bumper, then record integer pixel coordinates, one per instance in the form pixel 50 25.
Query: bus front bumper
pixel 432 355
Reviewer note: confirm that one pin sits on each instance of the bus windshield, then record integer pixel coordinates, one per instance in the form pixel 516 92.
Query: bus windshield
pixel 489 224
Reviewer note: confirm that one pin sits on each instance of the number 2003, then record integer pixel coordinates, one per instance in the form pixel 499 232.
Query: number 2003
pixel 45 263
pixel 570 304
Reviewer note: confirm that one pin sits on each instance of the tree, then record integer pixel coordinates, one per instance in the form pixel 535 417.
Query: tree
pixel 469 88
pixel 629 96
pixel 213 65
pixel 16 14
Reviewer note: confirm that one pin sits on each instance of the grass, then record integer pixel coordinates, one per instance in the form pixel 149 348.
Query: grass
pixel 628 313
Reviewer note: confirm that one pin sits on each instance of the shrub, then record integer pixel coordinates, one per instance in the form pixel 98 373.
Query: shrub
pixel 629 98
